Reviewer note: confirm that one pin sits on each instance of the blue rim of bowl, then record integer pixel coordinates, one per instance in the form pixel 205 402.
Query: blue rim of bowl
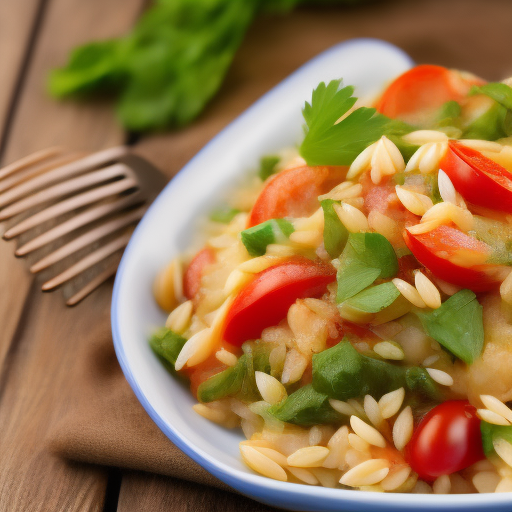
pixel 234 478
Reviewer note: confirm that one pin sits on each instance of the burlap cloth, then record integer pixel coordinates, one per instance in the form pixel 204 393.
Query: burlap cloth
pixel 107 425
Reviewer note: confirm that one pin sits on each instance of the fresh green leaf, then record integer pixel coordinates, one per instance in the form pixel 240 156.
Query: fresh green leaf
pixel 491 433
pixel 342 373
pixel 457 325
pixel 268 166
pixel 375 298
pixel 269 232
pixel 224 214
pixel 306 407
pixel 488 126
pixel 335 233
pixel 167 345
pixel 499 92
pixel 366 257
pixel 328 142
pixel 226 383
pixel 449 114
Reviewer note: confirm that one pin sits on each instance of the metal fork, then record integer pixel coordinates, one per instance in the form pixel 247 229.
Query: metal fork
pixel 73 214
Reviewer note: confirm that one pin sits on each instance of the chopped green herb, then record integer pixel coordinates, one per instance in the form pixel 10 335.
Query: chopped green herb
pixel 328 142
pixel 366 257
pixel 268 166
pixel 492 432
pixel 167 345
pixel 224 214
pixel 335 233
pixel 375 298
pixel 457 325
pixel 306 407
pixel 269 232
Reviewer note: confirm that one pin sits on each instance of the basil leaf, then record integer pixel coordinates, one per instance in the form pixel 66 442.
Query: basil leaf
pixel 375 298
pixel 492 432
pixel 306 407
pixel 457 325
pixel 271 231
pixel 167 345
pixel 268 166
pixel 366 257
pixel 329 142
pixel 499 92
pixel 335 233
pixel 224 214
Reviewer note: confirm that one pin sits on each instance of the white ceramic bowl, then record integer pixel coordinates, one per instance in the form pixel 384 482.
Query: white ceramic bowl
pixel 271 123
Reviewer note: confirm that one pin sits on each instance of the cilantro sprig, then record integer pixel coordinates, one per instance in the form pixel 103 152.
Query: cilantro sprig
pixel 329 142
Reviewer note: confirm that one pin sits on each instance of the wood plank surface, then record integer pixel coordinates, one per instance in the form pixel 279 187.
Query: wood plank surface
pixel 39 334
pixel 17 21
pixel 156 493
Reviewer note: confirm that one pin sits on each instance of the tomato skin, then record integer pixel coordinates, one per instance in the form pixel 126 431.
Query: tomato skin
pixel 445 240
pixel 417 94
pixel 479 180
pixel 265 300
pixel 447 440
pixel 194 272
pixel 294 192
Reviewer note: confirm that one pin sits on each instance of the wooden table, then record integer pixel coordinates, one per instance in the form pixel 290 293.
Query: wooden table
pixel 38 334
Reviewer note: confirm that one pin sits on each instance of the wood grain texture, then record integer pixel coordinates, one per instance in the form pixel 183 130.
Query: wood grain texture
pixel 39 335
pixel 17 19
pixel 155 493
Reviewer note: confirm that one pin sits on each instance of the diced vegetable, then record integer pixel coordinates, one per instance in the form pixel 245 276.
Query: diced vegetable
pixel 306 407
pixel 478 179
pixel 268 166
pixel 492 432
pixel 167 345
pixel 455 257
pixel 447 440
pixel 366 257
pixel 224 214
pixel 269 232
pixel 194 272
pixel 329 141
pixel 226 383
pixel 449 114
pixel 418 380
pixel 294 193
pixel 457 325
pixel 335 233
pixel 265 300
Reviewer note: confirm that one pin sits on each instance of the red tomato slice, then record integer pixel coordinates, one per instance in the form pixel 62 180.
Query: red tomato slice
pixel 265 300
pixel 194 272
pixel 417 94
pixel 294 192
pixel 435 249
pixel 447 440
pixel 479 180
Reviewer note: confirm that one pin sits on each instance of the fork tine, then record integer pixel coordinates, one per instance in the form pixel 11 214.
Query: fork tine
pixel 87 262
pixel 68 205
pixel 94 283
pixel 64 172
pixel 32 171
pixel 34 158
pixel 62 189
pixel 88 238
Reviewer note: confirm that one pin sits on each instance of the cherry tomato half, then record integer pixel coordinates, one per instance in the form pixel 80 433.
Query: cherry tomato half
pixel 447 440
pixel 441 250
pixel 416 95
pixel 479 180
pixel 194 272
pixel 294 192
pixel 265 300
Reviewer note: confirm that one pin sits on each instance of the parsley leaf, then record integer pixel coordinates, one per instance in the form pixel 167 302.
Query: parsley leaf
pixel 335 233
pixel 328 142
pixel 457 325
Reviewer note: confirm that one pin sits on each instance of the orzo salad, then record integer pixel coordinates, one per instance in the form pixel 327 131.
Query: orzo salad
pixel 351 307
